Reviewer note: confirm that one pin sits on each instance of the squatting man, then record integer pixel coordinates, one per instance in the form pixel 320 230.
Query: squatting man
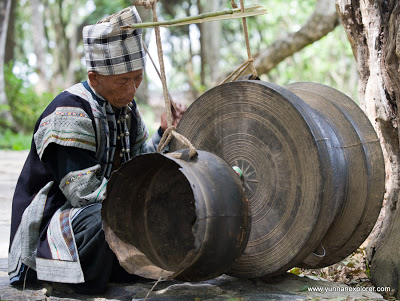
pixel 84 134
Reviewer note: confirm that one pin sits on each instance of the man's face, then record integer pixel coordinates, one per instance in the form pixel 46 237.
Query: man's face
pixel 118 90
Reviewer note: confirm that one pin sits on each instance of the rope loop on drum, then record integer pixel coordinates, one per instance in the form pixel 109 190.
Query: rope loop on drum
pixel 238 72
pixel 319 255
pixel 166 138
pixel 250 61
pixel 168 101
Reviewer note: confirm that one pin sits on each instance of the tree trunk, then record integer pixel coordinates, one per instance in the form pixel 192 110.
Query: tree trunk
pixel 75 56
pixel 210 33
pixel 191 76
pixel 61 53
pixel 323 20
pixel 10 40
pixel 373 31
pixel 6 14
pixel 39 44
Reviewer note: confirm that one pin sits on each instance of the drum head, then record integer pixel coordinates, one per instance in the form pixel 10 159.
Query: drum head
pixel 266 131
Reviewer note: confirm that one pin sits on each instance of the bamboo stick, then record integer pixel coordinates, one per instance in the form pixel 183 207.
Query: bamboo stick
pixel 253 10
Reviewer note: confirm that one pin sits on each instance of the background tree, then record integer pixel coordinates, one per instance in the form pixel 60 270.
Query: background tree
pixel 295 41
pixel 39 45
pixel 373 29
pixel 6 55
pixel 196 54
pixel 322 21
pixel 210 43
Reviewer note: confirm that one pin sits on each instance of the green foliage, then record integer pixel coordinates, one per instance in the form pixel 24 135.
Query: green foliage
pixel 328 61
pixel 104 8
pixel 295 271
pixel 24 104
pixel 14 141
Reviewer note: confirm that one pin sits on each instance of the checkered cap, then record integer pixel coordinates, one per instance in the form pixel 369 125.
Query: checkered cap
pixel 112 50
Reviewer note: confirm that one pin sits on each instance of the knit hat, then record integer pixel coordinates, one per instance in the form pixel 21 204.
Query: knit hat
pixel 112 50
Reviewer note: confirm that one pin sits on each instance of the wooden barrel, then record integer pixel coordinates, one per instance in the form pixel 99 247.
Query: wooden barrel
pixel 312 167
pixel 183 219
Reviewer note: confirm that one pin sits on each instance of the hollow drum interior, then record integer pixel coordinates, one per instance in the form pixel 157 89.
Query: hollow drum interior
pixel 184 219
pixel 141 200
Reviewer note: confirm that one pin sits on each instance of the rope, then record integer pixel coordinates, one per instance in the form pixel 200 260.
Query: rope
pixel 162 67
pixel 154 286
pixel 185 141
pixel 166 138
pixel 238 72
pixel 170 131
pixel 246 36
pixel 250 61
pixel 323 255
pixel 158 73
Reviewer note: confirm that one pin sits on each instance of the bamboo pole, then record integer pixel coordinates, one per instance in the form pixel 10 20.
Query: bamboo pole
pixel 253 10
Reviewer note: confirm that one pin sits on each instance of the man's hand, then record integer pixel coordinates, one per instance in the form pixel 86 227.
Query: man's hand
pixel 176 115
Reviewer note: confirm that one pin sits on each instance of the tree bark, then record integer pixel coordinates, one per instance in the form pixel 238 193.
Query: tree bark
pixel 10 39
pixel 61 53
pixel 39 44
pixel 75 56
pixel 210 33
pixel 5 7
pixel 6 14
pixel 323 20
pixel 373 31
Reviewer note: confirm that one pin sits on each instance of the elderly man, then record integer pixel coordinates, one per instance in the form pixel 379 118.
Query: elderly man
pixel 85 133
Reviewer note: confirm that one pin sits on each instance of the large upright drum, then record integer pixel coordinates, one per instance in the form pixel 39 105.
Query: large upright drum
pixel 312 167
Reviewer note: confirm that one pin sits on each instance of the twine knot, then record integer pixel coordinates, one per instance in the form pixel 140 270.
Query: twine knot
pixel 250 61
pixel 166 138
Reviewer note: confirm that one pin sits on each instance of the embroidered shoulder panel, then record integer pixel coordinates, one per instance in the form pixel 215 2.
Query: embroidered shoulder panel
pixel 83 187
pixel 68 126
pixel 99 114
